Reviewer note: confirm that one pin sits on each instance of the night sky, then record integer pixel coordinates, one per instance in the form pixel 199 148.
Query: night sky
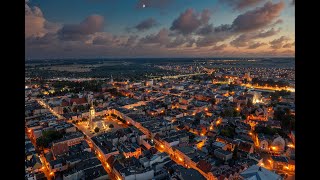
pixel 159 28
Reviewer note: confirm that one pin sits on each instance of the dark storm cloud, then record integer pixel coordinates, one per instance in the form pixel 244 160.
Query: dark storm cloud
pixel 241 4
pixel 160 4
pixel 278 43
pixel 76 32
pixel 258 18
pixel 256 45
pixel 146 24
pixel 189 21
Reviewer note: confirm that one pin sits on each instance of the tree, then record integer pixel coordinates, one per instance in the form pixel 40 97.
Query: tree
pixel 84 119
pixel 228 112
pixel 235 153
pixel 111 126
pixel 47 137
pixel 236 113
pixel 213 101
pixel 73 122
pixel 96 129
pixel 228 132
pixel 65 110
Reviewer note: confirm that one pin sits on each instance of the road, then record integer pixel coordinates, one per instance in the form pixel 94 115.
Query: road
pixel 44 163
pixel 269 87
pixel 45 105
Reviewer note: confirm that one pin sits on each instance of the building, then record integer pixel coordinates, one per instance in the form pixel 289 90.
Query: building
pixel 282 163
pixel 222 154
pixel 95 121
pixel 258 172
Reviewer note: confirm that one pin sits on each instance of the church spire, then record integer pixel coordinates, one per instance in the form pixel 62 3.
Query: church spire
pixel 91 112
pixel 111 79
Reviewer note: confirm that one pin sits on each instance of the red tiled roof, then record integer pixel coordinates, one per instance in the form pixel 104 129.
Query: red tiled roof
pixel 60 148
pixel 222 177
pixel 78 100
pixel 204 166
pixel 64 103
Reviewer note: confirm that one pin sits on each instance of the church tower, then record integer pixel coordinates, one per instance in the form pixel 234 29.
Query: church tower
pixel 111 80
pixel 91 112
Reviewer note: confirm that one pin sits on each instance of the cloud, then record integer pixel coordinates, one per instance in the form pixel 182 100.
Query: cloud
pixel 162 38
pixel 288 45
pixel 222 28
pixel 258 18
pixel 213 38
pixel 267 33
pixel 219 48
pixel 132 40
pixel 256 45
pixel 159 4
pixel 78 32
pixel 241 41
pixel 246 39
pixel 205 30
pixel 47 39
pixel 105 39
pixel 35 24
pixel 241 4
pixel 146 24
pixel 278 43
pixel 189 21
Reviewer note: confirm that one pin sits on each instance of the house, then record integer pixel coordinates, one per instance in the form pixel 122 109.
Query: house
pixel 291 165
pixel 59 149
pixel 278 144
pixel 223 154
pixel 258 172
pixel 246 147
pixel 183 173
pixel 204 165
pixel 280 163
pixel 33 164
pixel 78 171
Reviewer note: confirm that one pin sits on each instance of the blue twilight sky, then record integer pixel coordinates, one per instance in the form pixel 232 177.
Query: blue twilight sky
pixel 154 28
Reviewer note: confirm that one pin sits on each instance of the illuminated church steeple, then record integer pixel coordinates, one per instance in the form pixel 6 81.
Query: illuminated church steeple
pixel 111 79
pixel 92 112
